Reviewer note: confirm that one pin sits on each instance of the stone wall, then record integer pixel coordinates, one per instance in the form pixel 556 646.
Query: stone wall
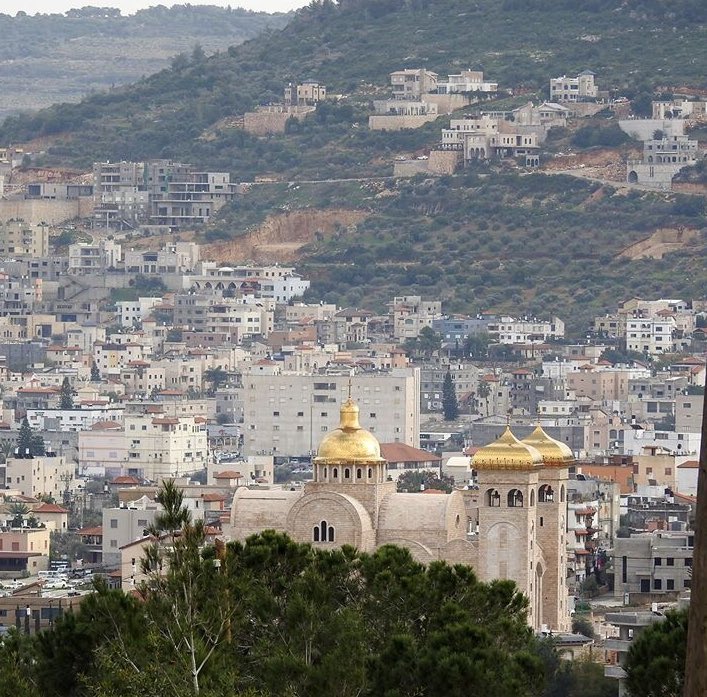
pixel 398 123
pixel 447 103
pixel 52 211
pixel 444 161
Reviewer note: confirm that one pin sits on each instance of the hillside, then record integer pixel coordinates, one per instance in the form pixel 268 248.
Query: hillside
pixel 532 243
pixel 354 45
pixel 485 239
pixel 52 58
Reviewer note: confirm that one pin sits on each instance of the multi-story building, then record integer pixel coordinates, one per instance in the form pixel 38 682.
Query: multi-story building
pixel 574 89
pixel 508 330
pixel 132 312
pixel 21 239
pixel 412 83
pixel 650 335
pixel 19 297
pixel 662 159
pixel 410 314
pixel 308 93
pixel 24 551
pixel 124 525
pixel 176 258
pixel 279 283
pixel 78 419
pixel 36 476
pixel 465 378
pixel 285 414
pixel 456 329
pixel 163 444
pixel 688 413
pixel 654 562
pixel 466 81
pixel 85 258
pixel 603 383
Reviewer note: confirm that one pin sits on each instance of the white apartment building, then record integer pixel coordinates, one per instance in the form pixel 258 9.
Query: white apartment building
pixel 103 451
pixel 36 476
pixel 651 335
pixel 85 258
pixel 22 239
pixel 111 357
pixel 410 314
pixel 132 312
pixel 177 258
pixel 640 442
pixel 214 314
pixel 279 283
pixel 299 312
pixel 573 89
pixel 508 330
pixel 287 414
pixel 78 419
pixel 162 446
pixel 466 81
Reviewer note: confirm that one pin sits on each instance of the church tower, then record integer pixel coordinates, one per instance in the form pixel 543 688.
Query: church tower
pixel 551 526
pixel 349 462
pixel 508 472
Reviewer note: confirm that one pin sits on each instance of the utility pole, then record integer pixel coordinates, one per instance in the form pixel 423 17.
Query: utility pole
pixel 696 660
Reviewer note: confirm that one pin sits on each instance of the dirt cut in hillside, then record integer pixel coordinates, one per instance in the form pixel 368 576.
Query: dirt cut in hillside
pixel 281 237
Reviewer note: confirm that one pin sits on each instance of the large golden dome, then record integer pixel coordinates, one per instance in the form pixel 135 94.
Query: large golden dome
pixel 507 453
pixel 349 444
pixel 554 453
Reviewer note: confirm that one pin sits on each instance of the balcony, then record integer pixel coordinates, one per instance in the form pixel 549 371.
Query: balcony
pixel 620 645
pixel 616 672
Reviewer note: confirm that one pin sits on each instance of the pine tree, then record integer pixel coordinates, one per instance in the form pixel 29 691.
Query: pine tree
pixel 24 439
pixel 450 406
pixel 95 373
pixel 66 399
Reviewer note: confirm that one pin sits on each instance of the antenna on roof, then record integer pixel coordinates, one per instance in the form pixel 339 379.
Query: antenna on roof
pixel 349 387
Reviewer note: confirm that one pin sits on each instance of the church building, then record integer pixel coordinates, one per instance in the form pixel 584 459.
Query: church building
pixel 512 527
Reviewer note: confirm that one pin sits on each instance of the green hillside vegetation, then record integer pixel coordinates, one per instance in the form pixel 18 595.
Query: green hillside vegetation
pixel 356 44
pixel 48 58
pixel 531 244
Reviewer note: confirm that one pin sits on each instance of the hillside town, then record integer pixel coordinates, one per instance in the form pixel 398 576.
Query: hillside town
pixel 131 357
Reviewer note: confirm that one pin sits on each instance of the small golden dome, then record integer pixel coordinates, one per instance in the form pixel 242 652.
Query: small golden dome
pixel 553 452
pixel 349 444
pixel 507 453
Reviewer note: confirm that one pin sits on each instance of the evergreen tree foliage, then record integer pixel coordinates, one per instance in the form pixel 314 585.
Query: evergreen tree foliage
pixel 656 660
pixel 95 373
pixel 66 397
pixel 272 617
pixel 450 406
pixel 29 443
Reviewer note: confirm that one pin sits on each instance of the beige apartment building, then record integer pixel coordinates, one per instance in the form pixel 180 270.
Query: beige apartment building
pixel 21 239
pixel 688 413
pixel 24 551
pixel 37 476
pixel 287 414
pixel 601 384
pixel 410 314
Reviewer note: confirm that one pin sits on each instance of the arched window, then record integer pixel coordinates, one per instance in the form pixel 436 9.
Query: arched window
pixel 359 473
pixel 562 494
pixel 515 498
pixel 325 472
pixel 546 494
pixel 347 473
pixel 370 473
pixel 532 497
pixel 336 472
pixel 493 498
pixel 323 532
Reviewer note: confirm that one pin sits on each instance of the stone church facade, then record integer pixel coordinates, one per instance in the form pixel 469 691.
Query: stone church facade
pixel 513 527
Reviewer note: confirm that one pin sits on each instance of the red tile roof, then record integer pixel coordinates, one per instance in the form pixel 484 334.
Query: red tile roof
pixel 91 531
pixel 400 452
pixel 49 508
pixel 228 474
pixel 125 479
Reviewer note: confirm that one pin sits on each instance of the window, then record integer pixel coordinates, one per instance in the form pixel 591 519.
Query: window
pixel 546 494
pixel 670 584
pixel 658 561
pixel 515 498
pixel 114 522
pixel 323 532
pixel 624 569
pixel 359 473
pixel 657 584
pixel 670 561
pixel 347 473
pixel 493 498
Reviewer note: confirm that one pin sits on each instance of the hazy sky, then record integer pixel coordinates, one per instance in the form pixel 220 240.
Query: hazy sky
pixel 129 6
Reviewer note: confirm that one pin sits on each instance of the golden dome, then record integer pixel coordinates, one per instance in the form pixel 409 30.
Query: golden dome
pixel 349 444
pixel 507 453
pixel 553 452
